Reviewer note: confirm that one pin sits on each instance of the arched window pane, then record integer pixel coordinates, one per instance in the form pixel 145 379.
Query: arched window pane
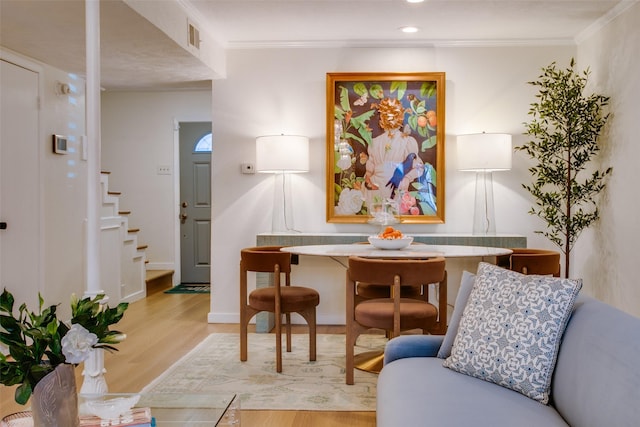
pixel 204 144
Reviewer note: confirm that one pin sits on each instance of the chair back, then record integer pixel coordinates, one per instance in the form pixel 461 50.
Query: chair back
pixel 263 259
pixel 412 272
pixel 535 261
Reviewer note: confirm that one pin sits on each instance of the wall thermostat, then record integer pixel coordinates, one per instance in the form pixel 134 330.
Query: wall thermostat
pixel 60 144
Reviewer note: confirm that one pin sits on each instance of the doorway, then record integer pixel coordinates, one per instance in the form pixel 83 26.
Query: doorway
pixel 195 201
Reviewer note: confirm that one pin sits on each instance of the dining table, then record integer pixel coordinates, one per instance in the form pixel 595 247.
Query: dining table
pixel 338 251
pixel 372 361
pixel 313 270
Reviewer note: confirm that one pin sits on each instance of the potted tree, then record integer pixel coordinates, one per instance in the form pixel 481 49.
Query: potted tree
pixel 565 129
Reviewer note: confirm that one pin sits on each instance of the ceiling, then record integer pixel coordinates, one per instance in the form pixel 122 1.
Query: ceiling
pixel 137 55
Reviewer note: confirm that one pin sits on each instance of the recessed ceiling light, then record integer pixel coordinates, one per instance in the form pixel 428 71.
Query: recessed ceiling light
pixel 415 1
pixel 409 29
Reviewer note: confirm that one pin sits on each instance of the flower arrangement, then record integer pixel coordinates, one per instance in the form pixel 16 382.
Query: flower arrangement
pixel 38 342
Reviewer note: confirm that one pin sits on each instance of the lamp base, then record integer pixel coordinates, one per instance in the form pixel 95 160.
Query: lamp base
pixel 282 217
pixel 484 221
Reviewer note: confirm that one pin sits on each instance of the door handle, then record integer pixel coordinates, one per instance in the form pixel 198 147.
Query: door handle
pixel 183 214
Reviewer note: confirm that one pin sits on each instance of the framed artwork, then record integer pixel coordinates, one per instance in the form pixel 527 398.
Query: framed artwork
pixel 385 146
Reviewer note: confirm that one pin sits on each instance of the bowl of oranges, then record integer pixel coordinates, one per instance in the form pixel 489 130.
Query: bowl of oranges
pixel 390 238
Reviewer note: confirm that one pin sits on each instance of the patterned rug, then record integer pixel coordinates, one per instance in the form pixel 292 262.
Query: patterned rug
pixel 190 288
pixel 214 366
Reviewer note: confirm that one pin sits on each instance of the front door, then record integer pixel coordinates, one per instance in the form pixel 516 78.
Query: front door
pixel 20 243
pixel 195 201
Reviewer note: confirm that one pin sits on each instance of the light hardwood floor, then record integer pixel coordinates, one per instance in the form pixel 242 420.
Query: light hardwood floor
pixel 164 327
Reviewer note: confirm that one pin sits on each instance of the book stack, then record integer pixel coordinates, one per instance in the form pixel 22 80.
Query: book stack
pixel 136 417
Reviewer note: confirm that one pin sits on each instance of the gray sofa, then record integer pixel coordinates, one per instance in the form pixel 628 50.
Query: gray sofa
pixel 596 380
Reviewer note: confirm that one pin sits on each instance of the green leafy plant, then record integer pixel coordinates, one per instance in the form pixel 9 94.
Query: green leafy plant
pixel 565 128
pixel 38 342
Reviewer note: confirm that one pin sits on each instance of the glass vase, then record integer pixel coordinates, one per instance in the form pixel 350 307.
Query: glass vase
pixel 54 402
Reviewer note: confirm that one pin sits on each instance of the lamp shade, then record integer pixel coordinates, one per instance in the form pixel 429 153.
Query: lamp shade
pixel 282 153
pixel 484 152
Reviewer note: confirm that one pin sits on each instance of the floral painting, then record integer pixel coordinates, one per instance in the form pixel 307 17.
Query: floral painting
pixel 385 146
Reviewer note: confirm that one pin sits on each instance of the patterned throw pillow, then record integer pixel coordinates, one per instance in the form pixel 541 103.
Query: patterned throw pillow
pixel 511 329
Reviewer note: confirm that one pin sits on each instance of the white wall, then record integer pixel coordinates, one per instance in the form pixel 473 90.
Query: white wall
pixel 65 191
pixel 137 136
pixel 283 91
pixel 608 254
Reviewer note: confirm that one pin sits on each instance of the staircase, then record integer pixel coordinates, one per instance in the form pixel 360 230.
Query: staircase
pixel 123 258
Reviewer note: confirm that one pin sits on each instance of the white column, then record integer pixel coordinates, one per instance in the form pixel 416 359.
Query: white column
pixel 93 372
pixel 92 29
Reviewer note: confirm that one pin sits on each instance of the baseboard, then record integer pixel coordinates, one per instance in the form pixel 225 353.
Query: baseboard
pixel 135 296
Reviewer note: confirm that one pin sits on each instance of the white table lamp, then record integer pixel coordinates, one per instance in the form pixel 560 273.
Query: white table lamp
pixel 282 155
pixel 484 153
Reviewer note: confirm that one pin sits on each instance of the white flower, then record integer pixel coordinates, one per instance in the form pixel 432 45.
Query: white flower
pixel 344 162
pixel 350 202
pixel 77 343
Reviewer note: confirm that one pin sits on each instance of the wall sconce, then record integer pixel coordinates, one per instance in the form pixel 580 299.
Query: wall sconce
pixel 282 155
pixel 484 153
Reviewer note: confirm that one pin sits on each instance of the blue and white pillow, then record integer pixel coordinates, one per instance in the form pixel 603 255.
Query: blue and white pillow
pixel 511 329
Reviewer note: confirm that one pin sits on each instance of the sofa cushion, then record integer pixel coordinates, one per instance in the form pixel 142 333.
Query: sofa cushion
pixel 418 391
pixel 511 329
pixel 597 377
pixel 466 284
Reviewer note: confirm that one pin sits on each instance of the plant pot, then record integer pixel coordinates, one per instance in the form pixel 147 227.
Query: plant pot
pixel 55 400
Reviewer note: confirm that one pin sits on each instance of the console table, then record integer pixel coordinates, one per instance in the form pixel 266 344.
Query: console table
pixel 309 267
pixel 299 239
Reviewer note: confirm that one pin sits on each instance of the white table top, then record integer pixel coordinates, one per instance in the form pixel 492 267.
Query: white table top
pixel 412 251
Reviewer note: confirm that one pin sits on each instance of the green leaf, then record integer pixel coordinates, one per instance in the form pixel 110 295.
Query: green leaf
pixel 376 91
pixel 23 393
pixel 429 143
pixel 344 99
pixel 413 121
pixel 400 87
pixel 6 301
pixel 360 88
pixel 428 89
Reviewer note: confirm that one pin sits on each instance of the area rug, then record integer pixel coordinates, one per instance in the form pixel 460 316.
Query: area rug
pixel 190 288
pixel 214 367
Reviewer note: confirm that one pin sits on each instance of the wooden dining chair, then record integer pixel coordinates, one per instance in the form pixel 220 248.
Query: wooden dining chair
pixel 531 261
pixel 278 298
pixel 393 314
pixel 373 290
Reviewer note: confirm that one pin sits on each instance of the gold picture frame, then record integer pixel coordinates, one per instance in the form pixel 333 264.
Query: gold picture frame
pixel 385 146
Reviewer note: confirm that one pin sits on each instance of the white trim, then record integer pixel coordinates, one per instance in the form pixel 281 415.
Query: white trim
pixel 177 256
pixel 135 296
pixel 319 44
pixel 21 61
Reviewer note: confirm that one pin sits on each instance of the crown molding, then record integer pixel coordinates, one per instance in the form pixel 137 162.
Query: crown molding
pixel 324 44
pixel 601 22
